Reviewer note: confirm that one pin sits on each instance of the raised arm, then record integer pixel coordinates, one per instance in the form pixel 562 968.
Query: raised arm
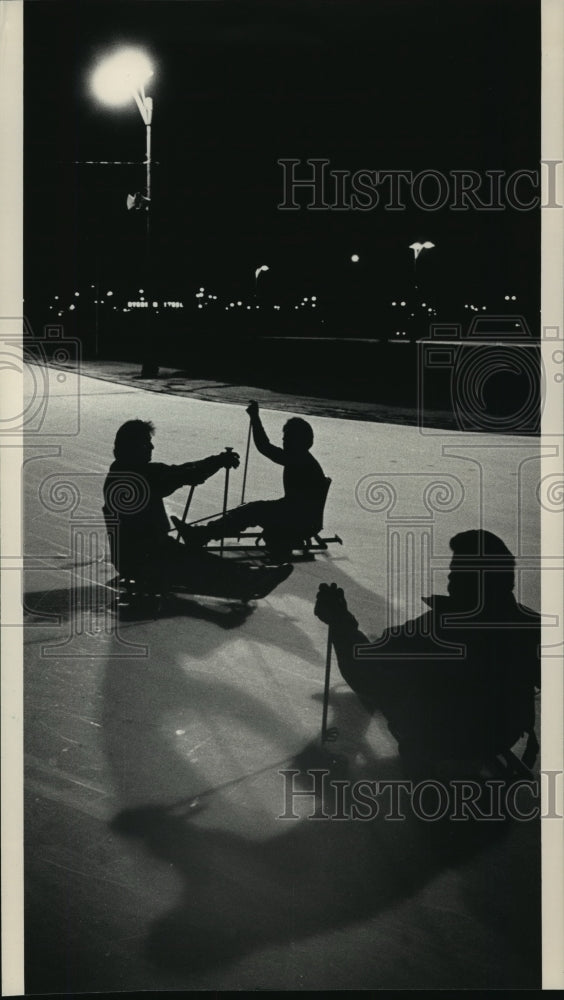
pixel 260 437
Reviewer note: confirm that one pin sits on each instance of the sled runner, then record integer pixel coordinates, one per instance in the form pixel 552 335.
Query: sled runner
pixel 305 537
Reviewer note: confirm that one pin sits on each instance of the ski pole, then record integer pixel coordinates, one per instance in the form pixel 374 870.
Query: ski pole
pixel 327 736
pixel 225 494
pixel 186 509
pixel 246 463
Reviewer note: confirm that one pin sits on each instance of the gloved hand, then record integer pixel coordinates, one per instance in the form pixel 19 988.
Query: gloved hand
pixel 253 408
pixel 229 460
pixel 330 604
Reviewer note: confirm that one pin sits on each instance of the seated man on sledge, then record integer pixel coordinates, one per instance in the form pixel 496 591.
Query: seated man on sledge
pixel 138 526
pixel 458 683
pixel 286 522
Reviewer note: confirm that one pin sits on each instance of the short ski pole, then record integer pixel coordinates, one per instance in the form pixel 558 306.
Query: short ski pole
pixel 186 509
pixel 246 463
pixel 225 495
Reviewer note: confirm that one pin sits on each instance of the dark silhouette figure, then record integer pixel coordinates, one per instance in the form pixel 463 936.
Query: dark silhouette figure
pixel 138 526
pixel 459 682
pixel 285 522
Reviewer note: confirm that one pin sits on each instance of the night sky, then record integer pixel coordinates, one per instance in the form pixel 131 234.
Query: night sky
pixel 375 85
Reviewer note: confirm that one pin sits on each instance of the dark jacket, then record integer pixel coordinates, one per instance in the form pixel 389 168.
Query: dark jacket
pixel 303 477
pixel 449 686
pixel 137 522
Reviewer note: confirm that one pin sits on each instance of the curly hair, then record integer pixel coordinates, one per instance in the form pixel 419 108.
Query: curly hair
pixel 130 435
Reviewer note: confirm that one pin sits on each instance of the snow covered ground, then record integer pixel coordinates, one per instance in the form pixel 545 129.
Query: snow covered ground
pixel 156 857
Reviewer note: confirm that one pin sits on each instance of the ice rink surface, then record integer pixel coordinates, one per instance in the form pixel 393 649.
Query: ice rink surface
pixel 156 857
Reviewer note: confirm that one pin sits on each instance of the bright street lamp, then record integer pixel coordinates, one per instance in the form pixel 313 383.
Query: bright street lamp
pixel 115 81
pixel 259 270
pixel 116 78
pixel 119 78
pixel 418 247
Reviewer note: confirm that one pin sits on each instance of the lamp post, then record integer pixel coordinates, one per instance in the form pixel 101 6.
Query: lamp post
pixel 259 270
pixel 118 78
pixel 417 248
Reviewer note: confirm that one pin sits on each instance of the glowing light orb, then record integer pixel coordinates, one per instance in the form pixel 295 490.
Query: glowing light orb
pixel 118 76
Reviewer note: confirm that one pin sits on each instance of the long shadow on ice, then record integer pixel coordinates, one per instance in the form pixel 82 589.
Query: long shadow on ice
pixel 303 876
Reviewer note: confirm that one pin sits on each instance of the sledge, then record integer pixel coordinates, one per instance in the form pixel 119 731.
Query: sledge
pixel 308 538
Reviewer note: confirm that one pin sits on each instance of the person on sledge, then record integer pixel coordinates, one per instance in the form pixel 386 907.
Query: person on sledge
pixel 287 520
pixel 138 526
pixel 459 682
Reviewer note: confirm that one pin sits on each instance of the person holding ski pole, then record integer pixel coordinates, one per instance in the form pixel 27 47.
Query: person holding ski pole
pixel 141 547
pixel 283 520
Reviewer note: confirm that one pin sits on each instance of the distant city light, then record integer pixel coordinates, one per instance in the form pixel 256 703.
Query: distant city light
pixel 314 298
pixel 355 258
pixel 402 303
pixel 71 307
pixel 77 294
pixel 141 291
pixel 155 304
pixel 239 303
pixel 107 293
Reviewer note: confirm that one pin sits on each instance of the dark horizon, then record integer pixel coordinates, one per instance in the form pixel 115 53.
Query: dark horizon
pixel 238 86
